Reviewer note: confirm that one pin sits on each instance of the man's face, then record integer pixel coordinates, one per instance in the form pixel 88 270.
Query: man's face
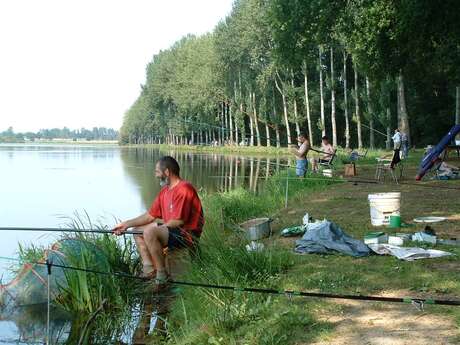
pixel 301 139
pixel 325 142
pixel 162 175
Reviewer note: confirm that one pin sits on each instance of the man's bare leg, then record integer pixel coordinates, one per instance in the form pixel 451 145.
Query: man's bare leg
pixel 156 238
pixel 147 261
pixel 314 165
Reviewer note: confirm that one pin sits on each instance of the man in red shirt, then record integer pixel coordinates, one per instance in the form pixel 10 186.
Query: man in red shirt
pixel 178 208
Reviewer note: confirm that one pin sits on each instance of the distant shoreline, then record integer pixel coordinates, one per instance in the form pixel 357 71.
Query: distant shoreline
pixel 64 141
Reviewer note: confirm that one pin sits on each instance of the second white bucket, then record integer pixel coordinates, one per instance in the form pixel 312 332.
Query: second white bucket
pixel 384 205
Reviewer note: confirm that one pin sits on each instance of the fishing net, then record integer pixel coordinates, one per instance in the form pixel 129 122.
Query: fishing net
pixel 29 287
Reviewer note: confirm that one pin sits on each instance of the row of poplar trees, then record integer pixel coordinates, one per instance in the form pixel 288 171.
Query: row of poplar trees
pixel 353 70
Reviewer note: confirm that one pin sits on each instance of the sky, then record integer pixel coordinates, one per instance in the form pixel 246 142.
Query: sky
pixel 80 63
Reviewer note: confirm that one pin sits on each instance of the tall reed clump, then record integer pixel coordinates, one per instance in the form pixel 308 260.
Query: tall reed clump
pixel 223 259
pixel 85 291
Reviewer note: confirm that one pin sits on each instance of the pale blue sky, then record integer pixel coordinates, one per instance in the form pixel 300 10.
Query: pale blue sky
pixel 80 63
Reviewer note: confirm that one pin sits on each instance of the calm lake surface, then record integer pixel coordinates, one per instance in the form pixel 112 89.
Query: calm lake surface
pixel 44 185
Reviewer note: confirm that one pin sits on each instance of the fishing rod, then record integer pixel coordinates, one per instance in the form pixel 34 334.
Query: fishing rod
pixel 94 231
pixel 373 129
pixel 289 293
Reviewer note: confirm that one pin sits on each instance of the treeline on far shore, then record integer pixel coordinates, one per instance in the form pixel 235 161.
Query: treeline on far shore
pixel 66 134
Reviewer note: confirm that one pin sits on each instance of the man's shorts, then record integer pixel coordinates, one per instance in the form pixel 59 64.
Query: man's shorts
pixel 176 239
pixel 301 167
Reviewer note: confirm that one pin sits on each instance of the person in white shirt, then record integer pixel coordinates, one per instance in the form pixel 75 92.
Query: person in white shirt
pixel 396 139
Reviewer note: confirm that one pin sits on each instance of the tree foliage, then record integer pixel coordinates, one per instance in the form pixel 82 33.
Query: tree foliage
pixel 239 80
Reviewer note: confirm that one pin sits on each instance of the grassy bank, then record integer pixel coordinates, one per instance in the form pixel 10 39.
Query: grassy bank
pixel 217 317
pixel 228 149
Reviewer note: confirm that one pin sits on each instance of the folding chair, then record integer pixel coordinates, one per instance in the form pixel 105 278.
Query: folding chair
pixel 385 165
pixel 328 164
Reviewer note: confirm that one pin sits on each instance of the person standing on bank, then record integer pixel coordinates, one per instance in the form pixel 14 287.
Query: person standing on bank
pixel 178 207
pixel 396 140
pixel 301 155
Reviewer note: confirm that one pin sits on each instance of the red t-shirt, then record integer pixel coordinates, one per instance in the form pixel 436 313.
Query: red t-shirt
pixel 180 203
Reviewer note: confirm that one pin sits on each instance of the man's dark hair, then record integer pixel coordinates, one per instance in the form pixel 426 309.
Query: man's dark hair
pixel 168 162
pixel 325 138
pixel 303 134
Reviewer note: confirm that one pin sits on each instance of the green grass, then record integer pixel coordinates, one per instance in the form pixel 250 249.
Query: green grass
pixel 250 150
pixel 201 316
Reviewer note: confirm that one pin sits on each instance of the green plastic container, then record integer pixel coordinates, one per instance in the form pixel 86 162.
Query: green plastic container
pixel 395 221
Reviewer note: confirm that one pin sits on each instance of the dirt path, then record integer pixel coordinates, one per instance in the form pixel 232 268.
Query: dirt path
pixel 368 323
pixel 364 323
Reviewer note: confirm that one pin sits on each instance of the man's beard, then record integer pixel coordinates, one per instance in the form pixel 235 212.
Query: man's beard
pixel 164 181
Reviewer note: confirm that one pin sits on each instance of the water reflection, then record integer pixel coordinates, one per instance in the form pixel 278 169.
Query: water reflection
pixel 208 172
pixel 55 179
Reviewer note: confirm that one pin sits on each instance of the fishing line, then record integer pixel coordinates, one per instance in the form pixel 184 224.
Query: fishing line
pixel 289 293
pixel 95 231
pixel 373 129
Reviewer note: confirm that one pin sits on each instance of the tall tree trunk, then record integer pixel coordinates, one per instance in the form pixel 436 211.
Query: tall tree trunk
pixel 236 133
pixel 235 115
pixel 243 129
pixel 402 110
pixel 371 115
pixel 307 102
pixel 358 115
pixel 219 131
pixel 277 134
pixel 323 125
pixel 267 133
pixel 225 119
pixel 296 114
pixel 388 141
pixel 334 124
pixel 457 105
pixel 345 101
pixel 230 120
pixel 286 119
pixel 256 119
pixel 251 122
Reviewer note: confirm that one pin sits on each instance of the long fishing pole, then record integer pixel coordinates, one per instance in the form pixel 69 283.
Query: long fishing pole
pixel 264 290
pixel 95 231
pixel 373 129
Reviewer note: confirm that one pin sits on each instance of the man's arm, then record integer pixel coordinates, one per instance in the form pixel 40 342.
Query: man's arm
pixel 300 153
pixel 143 219
pixel 175 223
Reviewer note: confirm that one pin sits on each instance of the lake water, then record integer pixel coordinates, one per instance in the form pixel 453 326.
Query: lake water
pixel 44 185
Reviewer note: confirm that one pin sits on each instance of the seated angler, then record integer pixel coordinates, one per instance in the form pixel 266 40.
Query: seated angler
pixel 178 208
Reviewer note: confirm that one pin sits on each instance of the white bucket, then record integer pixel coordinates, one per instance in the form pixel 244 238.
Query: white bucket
pixel 384 205
pixel 327 172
